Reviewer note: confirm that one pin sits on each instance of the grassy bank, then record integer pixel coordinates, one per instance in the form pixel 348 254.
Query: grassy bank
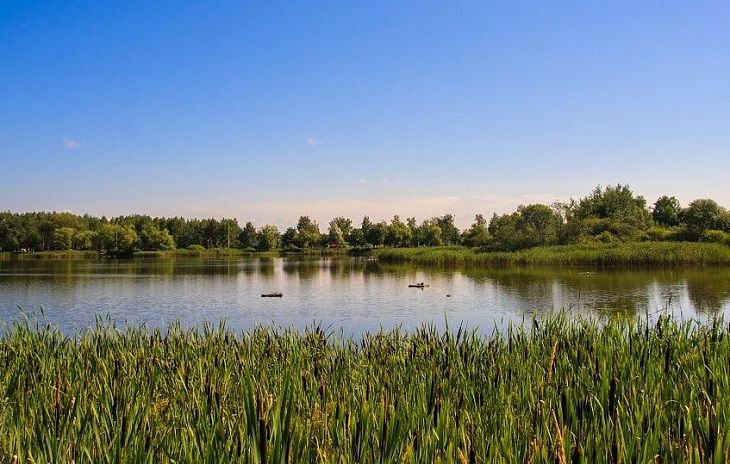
pixel 564 391
pixel 623 254
pixel 67 254
pixel 619 254
pixel 185 252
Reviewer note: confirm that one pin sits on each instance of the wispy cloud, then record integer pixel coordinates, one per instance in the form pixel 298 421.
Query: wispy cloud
pixel 71 144
pixel 313 141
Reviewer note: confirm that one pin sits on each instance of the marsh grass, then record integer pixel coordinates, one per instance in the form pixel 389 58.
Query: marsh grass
pixel 620 254
pixel 66 254
pixel 558 391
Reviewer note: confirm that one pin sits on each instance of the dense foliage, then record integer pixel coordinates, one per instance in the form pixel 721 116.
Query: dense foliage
pixel 559 392
pixel 610 214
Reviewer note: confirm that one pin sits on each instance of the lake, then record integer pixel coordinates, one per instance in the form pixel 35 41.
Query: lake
pixel 355 294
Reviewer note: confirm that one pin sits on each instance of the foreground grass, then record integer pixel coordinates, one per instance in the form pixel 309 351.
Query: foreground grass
pixel 562 391
pixel 623 254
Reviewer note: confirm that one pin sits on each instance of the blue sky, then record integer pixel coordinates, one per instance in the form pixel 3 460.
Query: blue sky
pixel 268 110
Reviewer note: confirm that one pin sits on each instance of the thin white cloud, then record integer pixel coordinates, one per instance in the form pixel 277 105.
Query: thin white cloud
pixel 71 144
pixel 313 141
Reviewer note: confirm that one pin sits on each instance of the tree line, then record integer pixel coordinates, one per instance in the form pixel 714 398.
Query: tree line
pixel 609 214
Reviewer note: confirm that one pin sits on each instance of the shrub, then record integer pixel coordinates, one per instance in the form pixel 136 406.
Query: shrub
pixel 606 237
pixel 659 234
pixel 716 236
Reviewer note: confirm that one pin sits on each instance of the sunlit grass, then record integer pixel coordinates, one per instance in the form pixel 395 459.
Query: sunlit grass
pixel 622 254
pixel 559 390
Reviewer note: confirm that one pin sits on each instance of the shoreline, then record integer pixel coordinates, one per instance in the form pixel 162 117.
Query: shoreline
pixel 631 254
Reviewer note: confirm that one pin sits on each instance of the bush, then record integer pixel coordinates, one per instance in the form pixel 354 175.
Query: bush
pixel 196 248
pixel 659 234
pixel 716 236
pixel 606 237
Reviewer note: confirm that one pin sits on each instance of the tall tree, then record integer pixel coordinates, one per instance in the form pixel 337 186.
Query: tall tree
pixel 477 235
pixel 703 215
pixel 430 233
pixel 614 209
pixel 247 237
pixel 268 238
pixel 398 234
pixel 335 234
pixel 308 234
pixel 449 232
pixel 117 239
pixel 666 211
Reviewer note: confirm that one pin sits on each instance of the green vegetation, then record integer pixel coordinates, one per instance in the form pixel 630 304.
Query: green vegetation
pixel 562 391
pixel 67 254
pixel 607 215
pixel 587 254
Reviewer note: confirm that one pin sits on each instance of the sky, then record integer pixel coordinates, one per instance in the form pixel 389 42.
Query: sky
pixel 268 110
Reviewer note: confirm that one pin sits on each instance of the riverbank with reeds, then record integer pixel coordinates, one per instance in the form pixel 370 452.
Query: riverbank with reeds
pixel 560 391
pixel 180 252
pixel 620 254
pixel 635 254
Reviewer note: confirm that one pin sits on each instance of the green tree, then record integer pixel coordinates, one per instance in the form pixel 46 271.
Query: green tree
pixel 8 233
pixel 430 233
pixel 614 209
pixel 538 225
pixel 398 233
pixel 365 227
pixel 268 238
pixel 703 215
pixel 666 211
pixel 84 239
pixel 375 234
pixel 449 232
pixel 247 237
pixel 117 239
pixel 413 225
pixel 344 224
pixel 529 226
pixel 503 230
pixel 228 232
pixel 63 238
pixel 477 235
pixel 153 239
pixel 335 234
pixel 357 238
pixel 308 234
pixel 289 238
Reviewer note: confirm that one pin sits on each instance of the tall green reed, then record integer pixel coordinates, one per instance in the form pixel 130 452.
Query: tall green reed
pixel 556 391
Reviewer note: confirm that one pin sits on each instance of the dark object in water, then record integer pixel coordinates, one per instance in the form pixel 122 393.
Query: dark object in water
pixel 448 296
pixel 419 285
pixel 271 295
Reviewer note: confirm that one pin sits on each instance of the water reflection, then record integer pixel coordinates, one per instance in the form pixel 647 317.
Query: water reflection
pixel 355 293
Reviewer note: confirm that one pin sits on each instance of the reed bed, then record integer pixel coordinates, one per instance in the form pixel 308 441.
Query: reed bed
pixel 621 254
pixel 556 391
pixel 46 255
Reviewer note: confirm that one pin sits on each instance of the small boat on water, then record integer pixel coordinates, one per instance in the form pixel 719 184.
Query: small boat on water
pixel 419 285
pixel 271 295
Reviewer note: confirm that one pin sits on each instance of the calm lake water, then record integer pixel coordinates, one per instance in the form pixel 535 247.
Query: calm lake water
pixel 355 294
